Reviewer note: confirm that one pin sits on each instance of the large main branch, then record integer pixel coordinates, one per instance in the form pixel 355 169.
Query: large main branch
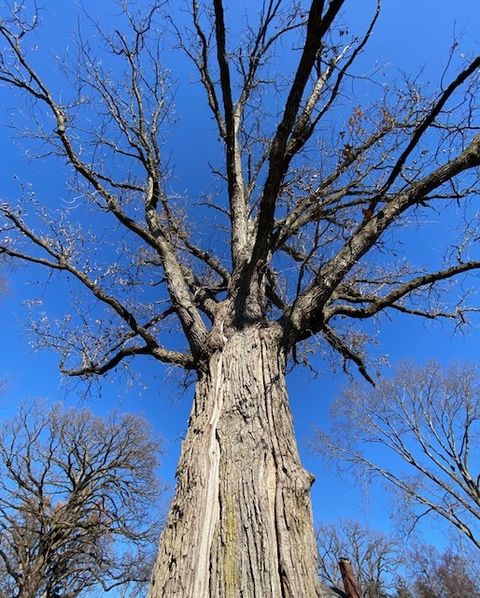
pixel 306 315
pixel 279 159
pixel 236 191
pixel 58 261
pixel 376 303
pixel 24 77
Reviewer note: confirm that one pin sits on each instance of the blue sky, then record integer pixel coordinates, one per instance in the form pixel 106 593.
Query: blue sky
pixel 411 36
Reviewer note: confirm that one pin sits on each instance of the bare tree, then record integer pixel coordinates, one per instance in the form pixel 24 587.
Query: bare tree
pixel 429 419
pixel 374 557
pixel 314 187
pixel 76 496
pixel 442 575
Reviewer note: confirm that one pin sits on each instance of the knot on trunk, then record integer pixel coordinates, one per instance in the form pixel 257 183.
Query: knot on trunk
pixel 216 340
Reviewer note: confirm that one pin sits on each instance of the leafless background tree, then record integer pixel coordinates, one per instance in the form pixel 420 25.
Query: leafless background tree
pixel 441 575
pixel 76 498
pixel 428 420
pixel 387 568
pixel 374 557
pixel 319 169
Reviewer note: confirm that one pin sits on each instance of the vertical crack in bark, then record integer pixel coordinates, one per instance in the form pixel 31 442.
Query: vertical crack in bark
pixel 212 495
pixel 264 364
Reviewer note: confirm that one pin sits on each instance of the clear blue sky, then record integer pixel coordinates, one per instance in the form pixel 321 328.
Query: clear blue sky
pixel 411 36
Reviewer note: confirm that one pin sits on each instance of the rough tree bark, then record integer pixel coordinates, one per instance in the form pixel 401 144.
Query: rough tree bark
pixel 241 522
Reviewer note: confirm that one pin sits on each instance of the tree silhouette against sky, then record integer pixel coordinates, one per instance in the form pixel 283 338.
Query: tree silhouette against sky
pixel 312 194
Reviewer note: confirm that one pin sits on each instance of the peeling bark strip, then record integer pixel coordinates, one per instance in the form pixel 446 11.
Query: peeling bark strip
pixel 240 523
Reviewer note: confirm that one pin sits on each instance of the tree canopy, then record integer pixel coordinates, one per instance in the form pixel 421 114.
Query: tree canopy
pixel 76 498
pixel 303 223
pixel 420 432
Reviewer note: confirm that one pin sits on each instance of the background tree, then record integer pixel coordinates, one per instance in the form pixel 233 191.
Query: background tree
pixel 374 557
pixel 314 188
pixel 429 420
pixel 442 575
pixel 384 568
pixel 402 590
pixel 76 497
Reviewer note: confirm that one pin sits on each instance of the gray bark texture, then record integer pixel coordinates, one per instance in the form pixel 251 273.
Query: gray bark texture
pixel 240 523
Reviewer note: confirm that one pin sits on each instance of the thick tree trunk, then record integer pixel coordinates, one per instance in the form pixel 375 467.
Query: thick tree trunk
pixel 32 576
pixel 240 523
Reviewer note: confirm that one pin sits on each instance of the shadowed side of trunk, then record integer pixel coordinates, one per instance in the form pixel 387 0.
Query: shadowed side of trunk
pixel 240 523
